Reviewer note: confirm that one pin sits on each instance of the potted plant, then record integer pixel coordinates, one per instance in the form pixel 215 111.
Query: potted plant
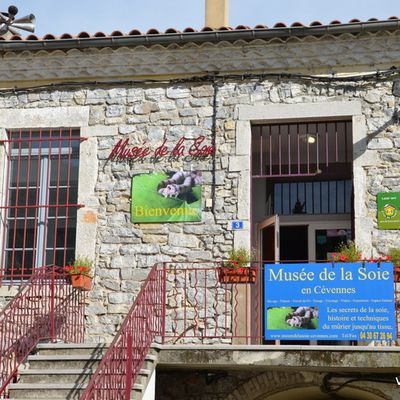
pixel 237 269
pixel 347 252
pixel 81 273
pixel 394 255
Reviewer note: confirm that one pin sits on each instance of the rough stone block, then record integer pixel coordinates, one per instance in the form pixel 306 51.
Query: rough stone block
pixel 96 96
pixel 177 93
pixel 148 248
pixel 123 262
pixel 120 298
pixel 183 240
pixel 115 111
pixel 111 284
pixel 380 144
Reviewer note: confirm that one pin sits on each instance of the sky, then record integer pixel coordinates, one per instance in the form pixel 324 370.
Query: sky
pixel 74 16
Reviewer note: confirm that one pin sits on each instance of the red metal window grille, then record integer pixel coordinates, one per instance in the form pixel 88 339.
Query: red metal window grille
pixel 39 208
pixel 305 149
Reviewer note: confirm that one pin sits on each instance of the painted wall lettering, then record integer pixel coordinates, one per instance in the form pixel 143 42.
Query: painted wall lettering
pixel 183 148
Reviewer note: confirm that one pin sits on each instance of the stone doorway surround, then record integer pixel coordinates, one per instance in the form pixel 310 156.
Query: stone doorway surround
pixel 246 115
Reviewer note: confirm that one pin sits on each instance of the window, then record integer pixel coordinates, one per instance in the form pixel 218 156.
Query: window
pixel 314 197
pixel 40 208
pixel 305 149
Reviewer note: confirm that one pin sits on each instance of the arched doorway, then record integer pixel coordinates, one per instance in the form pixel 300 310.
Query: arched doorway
pixel 314 393
pixel 284 385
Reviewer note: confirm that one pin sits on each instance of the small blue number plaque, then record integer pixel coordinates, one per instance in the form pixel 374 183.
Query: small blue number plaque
pixel 237 225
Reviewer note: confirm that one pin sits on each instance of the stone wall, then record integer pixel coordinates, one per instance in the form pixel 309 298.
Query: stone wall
pixel 123 251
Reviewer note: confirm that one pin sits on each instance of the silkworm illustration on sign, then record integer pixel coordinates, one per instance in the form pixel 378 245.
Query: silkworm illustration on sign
pixel 167 197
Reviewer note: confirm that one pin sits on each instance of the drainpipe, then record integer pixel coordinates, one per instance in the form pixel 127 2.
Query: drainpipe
pixel 217 12
pixel 198 37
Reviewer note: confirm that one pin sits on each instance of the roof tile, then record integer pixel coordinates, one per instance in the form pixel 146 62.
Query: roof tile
pixel 83 35
pixel 154 31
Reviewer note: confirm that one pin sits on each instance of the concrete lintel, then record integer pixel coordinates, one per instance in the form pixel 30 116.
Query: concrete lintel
pixel 48 117
pixel 266 357
pixel 252 347
pixel 99 130
pixel 303 111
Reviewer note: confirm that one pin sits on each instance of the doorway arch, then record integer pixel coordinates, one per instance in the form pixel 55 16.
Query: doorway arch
pixel 283 385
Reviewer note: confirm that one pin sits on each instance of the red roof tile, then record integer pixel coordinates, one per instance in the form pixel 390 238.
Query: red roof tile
pixel 154 31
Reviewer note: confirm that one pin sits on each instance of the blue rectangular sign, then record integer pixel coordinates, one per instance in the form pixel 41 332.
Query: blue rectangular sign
pixel 237 225
pixel 326 301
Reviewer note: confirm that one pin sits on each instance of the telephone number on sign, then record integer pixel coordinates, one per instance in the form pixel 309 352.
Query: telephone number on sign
pixel 376 335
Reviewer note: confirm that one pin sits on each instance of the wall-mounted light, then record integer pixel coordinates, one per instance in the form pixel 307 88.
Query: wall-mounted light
pixel 309 138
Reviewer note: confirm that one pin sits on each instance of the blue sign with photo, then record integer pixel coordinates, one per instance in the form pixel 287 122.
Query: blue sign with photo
pixel 326 301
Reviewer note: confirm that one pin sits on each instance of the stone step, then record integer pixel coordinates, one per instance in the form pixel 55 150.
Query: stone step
pixel 70 391
pixel 54 375
pixel 71 348
pixel 55 361
pixel 78 361
pixel 62 371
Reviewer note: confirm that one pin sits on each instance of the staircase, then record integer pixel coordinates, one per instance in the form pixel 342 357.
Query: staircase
pixel 61 371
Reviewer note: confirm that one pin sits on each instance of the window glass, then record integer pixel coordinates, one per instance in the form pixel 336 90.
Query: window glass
pixel 40 227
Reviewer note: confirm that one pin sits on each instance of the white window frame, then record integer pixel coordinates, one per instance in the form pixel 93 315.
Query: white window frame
pixel 61 117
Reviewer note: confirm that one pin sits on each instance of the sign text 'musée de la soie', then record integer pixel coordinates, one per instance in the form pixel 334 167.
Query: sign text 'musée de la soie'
pixel 184 147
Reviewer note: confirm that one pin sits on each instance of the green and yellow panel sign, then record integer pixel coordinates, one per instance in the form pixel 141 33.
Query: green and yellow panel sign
pixel 388 210
pixel 167 197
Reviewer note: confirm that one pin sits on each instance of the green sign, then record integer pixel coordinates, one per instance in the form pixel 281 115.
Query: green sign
pixel 389 210
pixel 167 197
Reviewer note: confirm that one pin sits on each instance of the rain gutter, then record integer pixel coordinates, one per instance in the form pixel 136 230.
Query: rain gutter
pixel 198 37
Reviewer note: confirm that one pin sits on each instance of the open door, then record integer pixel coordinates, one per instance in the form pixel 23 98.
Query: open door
pixel 268 251
pixel 268 239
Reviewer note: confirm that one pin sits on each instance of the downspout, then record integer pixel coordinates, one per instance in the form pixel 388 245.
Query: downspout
pixel 213 142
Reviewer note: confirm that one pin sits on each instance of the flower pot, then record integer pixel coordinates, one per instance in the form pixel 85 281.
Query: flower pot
pixel 237 275
pixel 82 282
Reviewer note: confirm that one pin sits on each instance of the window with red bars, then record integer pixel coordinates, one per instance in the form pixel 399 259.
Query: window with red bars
pixel 302 149
pixel 39 209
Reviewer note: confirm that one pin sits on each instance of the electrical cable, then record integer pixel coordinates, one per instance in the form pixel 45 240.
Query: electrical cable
pixel 327 386
pixel 376 76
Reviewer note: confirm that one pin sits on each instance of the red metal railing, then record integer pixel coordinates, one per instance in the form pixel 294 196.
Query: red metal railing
pixel 202 307
pixel 46 307
pixel 120 366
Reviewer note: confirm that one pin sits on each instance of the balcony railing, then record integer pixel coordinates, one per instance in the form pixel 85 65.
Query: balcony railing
pixel 46 307
pixel 180 303
pixel 203 307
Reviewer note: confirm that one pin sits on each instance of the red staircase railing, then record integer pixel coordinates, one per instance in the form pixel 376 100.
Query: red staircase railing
pixel 120 366
pixel 46 307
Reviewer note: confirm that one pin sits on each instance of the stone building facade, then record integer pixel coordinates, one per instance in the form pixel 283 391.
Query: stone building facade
pixel 215 88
